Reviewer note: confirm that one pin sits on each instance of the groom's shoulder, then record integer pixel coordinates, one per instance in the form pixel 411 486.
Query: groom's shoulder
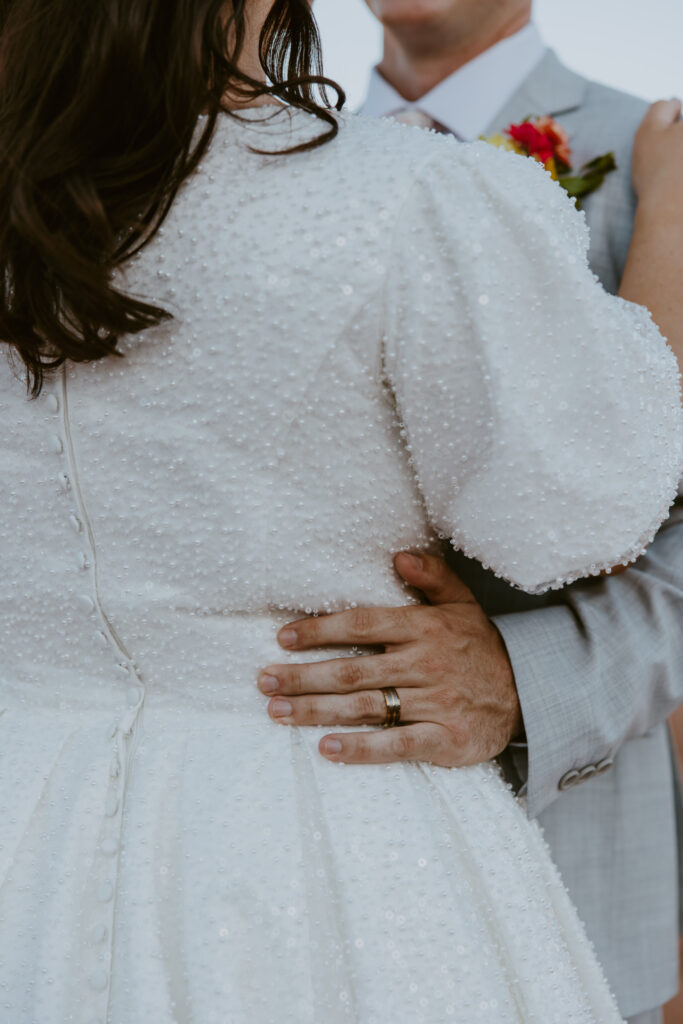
pixel 620 105
pixel 611 115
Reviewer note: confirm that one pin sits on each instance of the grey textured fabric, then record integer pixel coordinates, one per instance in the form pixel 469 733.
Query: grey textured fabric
pixel 599 667
pixel 678 788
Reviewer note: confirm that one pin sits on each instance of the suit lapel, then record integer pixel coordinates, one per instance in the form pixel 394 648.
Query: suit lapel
pixel 551 88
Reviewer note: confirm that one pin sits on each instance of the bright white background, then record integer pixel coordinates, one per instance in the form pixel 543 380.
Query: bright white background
pixel 636 45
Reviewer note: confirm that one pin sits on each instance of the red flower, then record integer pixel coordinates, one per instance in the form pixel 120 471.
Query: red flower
pixel 544 139
pixel 536 143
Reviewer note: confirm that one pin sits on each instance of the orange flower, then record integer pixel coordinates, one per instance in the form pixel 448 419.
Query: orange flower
pixel 558 137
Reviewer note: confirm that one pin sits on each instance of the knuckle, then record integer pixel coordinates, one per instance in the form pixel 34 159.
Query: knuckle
pixel 357 749
pixel 292 681
pixel 404 745
pixel 316 712
pixel 350 674
pixel 361 621
pixel 401 617
pixel 365 707
pixel 309 630
pixel 459 735
pixel 386 669
pixel 433 748
pixel 435 664
pixel 307 712
pixel 434 623
pixel 442 753
pixel 444 698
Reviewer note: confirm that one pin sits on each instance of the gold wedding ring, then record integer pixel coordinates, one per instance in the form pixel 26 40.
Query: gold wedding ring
pixel 393 703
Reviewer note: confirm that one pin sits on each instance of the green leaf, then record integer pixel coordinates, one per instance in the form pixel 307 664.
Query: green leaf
pixel 590 179
pixel 579 186
pixel 601 165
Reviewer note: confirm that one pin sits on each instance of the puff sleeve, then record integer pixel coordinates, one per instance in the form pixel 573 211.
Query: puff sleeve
pixel 542 416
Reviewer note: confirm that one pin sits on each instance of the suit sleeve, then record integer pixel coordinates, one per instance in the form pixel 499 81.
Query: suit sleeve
pixel 603 667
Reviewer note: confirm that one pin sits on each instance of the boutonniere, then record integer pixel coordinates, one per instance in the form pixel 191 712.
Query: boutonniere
pixel 546 141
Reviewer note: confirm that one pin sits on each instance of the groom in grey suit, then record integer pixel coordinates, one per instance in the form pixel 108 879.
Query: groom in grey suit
pixel 598 668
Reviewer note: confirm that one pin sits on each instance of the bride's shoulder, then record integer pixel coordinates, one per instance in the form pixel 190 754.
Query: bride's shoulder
pixel 384 134
pixel 384 146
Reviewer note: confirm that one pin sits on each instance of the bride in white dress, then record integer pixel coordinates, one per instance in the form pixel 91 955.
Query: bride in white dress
pixel 374 343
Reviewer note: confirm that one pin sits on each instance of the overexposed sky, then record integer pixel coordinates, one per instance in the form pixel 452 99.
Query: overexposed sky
pixel 631 44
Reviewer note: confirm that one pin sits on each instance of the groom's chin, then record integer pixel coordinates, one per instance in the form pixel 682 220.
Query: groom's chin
pixel 404 12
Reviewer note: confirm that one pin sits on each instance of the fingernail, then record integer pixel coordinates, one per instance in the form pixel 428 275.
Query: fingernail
pixel 415 561
pixel 269 684
pixel 331 747
pixel 288 638
pixel 281 709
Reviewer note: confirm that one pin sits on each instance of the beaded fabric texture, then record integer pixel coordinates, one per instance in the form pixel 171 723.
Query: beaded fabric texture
pixel 377 342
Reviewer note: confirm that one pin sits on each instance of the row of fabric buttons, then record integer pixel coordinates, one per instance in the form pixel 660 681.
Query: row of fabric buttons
pixel 99 917
pixel 57 447
pixel 579 775
pixel 102 883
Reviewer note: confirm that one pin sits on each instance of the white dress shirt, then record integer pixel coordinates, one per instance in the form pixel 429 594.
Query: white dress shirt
pixel 468 100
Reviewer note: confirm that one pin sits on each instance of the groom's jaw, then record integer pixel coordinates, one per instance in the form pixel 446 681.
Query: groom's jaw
pixel 465 28
pixel 425 41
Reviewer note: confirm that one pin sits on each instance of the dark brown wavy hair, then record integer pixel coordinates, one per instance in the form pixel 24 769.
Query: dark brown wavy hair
pixel 99 106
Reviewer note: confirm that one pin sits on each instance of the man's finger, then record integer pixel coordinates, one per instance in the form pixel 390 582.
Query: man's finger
pixel 663 114
pixel 434 577
pixel 364 626
pixel 366 708
pixel 340 675
pixel 420 742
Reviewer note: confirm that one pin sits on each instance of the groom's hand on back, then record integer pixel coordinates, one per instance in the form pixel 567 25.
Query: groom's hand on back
pixel 459 703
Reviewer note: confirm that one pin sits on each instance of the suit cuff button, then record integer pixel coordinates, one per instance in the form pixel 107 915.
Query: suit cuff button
pixel 569 780
pixel 604 766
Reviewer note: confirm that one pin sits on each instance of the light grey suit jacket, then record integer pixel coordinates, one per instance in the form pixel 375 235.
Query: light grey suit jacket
pixel 599 667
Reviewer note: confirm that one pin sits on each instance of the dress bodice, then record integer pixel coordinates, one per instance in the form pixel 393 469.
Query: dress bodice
pixel 374 344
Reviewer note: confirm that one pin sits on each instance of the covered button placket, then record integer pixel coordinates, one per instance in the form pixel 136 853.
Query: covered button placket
pixel 100 903
pixel 100 906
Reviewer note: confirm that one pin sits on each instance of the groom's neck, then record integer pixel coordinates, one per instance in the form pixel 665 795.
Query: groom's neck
pixel 417 58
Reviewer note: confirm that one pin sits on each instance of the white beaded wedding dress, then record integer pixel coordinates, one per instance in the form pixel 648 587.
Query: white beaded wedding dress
pixel 375 343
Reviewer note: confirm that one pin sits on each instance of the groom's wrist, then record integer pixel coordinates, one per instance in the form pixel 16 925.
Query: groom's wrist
pixel 662 205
